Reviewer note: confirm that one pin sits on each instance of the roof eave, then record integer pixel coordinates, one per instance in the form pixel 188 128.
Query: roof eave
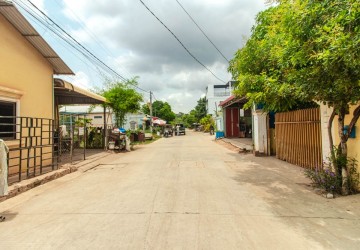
pixel 19 22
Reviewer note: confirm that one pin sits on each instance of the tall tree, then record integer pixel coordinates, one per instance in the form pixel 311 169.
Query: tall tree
pixel 122 99
pixel 304 50
pixel 160 109
pixel 200 109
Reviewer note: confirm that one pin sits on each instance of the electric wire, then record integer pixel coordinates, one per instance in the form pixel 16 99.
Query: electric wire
pixel 92 35
pixel 58 33
pixel 192 19
pixel 186 49
pixel 98 60
pixel 154 96
pixel 72 38
pixel 51 28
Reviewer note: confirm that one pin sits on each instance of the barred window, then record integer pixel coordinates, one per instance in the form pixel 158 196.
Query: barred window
pixel 7 120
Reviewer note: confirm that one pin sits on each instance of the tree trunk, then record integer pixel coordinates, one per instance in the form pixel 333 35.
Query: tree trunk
pixel 342 150
pixel 331 141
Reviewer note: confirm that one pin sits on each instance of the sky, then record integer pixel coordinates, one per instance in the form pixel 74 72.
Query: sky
pixel 125 36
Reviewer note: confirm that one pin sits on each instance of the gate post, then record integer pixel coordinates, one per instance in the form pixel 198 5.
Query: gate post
pixel 260 132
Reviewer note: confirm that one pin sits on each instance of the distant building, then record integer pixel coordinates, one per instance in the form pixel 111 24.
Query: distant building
pixel 96 114
pixel 134 121
pixel 216 94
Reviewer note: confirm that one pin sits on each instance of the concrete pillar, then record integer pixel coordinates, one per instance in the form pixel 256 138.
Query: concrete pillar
pixel 325 112
pixel 260 132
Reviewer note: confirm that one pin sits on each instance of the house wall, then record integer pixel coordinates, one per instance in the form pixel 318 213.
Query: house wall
pixel 325 112
pixel 96 121
pixel 137 119
pixel 25 71
pixel 353 144
pixel 213 98
pixel 260 137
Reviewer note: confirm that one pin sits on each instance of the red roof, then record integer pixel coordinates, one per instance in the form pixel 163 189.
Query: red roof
pixel 233 99
pixel 227 100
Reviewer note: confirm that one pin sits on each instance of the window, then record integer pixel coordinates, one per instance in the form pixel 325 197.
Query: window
pixel 133 125
pixel 7 120
pixel 97 117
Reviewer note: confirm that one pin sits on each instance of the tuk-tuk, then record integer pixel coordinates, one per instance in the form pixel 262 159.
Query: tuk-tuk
pixel 168 130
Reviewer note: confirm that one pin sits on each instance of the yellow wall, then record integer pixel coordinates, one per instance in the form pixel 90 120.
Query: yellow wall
pixel 23 68
pixel 353 143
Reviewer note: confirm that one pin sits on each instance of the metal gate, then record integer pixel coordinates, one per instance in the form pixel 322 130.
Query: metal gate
pixel 33 144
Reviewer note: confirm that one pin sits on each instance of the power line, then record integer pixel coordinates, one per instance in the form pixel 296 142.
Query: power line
pixel 39 19
pixel 99 61
pixel 154 96
pixel 192 19
pixel 197 60
pixel 92 35
pixel 76 41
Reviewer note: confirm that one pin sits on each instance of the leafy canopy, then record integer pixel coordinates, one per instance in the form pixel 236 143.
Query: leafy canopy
pixel 200 109
pixel 160 109
pixel 299 51
pixel 122 99
pixel 304 50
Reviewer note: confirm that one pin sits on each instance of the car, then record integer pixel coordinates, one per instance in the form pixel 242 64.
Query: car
pixel 181 129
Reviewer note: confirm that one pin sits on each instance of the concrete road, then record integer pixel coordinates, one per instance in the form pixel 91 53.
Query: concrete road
pixel 185 192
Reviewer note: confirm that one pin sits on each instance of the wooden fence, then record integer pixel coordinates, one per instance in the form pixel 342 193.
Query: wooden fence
pixel 298 137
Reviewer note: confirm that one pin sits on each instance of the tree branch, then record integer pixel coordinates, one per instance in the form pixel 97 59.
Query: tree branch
pixel 331 120
pixel 354 119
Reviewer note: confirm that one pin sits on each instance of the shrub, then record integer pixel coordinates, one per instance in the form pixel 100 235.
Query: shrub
pixel 324 178
pixel 327 179
pixel 353 178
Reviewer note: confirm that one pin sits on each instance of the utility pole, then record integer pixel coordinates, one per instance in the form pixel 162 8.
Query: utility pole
pixel 151 115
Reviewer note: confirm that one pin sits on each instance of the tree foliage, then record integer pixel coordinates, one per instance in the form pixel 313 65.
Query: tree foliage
pixel 122 99
pixel 207 121
pixel 304 50
pixel 187 119
pixel 160 109
pixel 200 109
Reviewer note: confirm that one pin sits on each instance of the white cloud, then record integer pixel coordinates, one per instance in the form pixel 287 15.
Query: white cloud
pixel 138 45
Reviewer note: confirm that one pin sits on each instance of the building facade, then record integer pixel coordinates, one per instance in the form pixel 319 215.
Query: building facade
pixel 216 94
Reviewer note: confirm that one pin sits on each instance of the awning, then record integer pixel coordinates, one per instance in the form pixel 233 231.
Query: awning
pixel 66 93
pixel 233 99
pixel 12 14
pixel 159 122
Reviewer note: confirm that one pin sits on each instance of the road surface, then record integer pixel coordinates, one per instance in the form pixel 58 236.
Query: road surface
pixel 183 192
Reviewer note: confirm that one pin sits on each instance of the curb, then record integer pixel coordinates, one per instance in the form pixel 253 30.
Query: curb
pixel 63 170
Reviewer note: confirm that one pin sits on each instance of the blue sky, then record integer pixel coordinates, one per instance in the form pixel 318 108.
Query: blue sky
pixel 129 39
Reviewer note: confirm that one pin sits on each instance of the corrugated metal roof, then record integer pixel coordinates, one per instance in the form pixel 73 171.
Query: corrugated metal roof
pixel 67 93
pixel 12 14
pixel 231 100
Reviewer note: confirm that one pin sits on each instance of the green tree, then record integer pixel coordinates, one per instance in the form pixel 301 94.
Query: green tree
pixel 207 121
pixel 200 109
pixel 260 70
pixel 122 99
pixel 189 119
pixel 303 50
pixel 325 48
pixel 160 109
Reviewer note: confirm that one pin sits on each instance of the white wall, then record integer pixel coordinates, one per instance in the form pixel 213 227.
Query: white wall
pixel 137 118
pixel 260 131
pixel 325 113
pixel 213 101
